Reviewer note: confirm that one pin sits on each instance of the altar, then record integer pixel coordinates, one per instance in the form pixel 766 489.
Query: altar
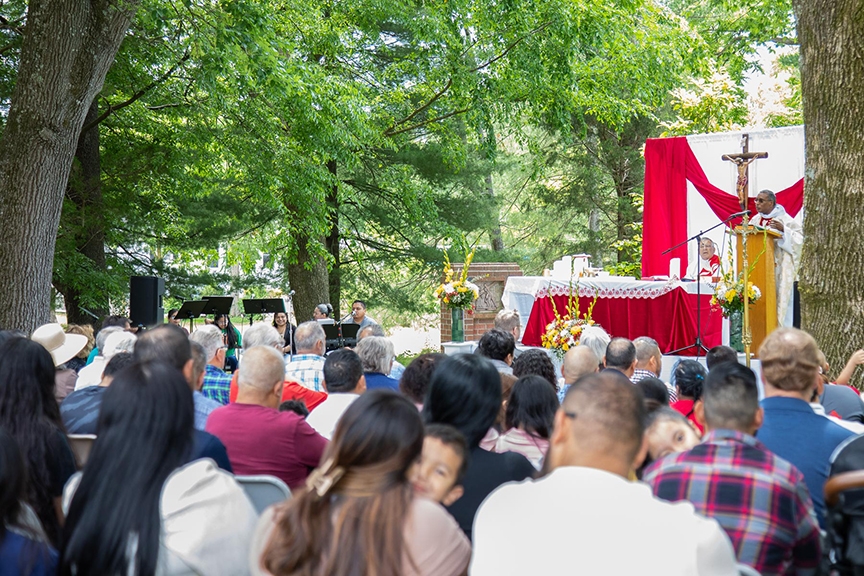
pixel 663 310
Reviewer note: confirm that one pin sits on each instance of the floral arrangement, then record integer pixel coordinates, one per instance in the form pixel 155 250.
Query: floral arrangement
pixel 565 331
pixel 728 294
pixel 459 292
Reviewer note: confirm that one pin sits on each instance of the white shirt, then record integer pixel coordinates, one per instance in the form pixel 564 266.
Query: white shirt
pixel 91 375
pixel 581 520
pixel 325 416
pixel 207 522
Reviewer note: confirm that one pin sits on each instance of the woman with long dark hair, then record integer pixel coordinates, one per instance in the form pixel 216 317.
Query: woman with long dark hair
pixel 359 514
pixel 231 338
pixel 465 392
pixel 24 548
pixel 30 414
pixel 137 509
pixel 529 419
pixel 286 331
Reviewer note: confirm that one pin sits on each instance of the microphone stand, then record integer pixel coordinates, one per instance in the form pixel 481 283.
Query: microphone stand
pixel 698 344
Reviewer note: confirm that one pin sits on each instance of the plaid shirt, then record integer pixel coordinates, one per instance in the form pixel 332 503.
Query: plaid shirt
pixel 217 384
pixel 759 499
pixel 641 374
pixel 307 369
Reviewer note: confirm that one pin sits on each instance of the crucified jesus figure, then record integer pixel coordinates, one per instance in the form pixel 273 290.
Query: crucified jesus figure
pixel 742 161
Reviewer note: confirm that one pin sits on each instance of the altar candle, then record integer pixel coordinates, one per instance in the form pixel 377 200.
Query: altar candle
pixel 675 268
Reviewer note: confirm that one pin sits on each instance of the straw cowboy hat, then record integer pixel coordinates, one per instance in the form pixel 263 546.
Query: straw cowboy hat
pixel 62 346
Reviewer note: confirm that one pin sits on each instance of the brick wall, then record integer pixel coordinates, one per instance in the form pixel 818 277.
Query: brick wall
pixel 490 277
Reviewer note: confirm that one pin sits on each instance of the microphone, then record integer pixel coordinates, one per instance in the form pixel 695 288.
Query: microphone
pixel 747 212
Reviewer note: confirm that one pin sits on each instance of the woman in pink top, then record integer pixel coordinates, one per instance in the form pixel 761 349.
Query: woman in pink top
pixel 358 513
pixel 528 419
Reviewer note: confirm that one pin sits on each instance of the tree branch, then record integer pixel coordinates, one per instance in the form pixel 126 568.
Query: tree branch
pixel 390 132
pixel 428 103
pixel 510 47
pixel 135 97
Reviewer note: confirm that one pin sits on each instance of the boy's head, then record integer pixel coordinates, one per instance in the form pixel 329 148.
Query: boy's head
pixel 438 475
pixel 296 406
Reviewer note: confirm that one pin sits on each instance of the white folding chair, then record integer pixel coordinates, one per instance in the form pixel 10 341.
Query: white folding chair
pixel 264 490
pixel 81 444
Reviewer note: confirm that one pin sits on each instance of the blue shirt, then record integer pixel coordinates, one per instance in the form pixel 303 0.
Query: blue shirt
pixel 217 385
pixel 377 380
pixel 22 556
pixel 203 407
pixel 794 432
pixel 80 410
pixel 207 445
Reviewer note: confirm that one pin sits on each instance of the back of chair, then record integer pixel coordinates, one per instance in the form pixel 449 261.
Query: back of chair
pixel 81 444
pixel 264 490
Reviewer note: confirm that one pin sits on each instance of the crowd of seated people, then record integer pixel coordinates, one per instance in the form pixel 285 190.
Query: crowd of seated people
pixel 485 463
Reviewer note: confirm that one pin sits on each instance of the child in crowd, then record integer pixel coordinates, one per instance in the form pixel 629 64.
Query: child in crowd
pixel 296 406
pixel 438 475
pixel 668 431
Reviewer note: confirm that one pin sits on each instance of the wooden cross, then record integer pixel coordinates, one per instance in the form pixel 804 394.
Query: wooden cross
pixel 742 161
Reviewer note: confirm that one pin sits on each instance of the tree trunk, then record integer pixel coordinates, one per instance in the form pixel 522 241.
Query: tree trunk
pixel 311 284
pixel 68 48
pixel 494 232
pixel 335 277
pixel 85 192
pixel 832 267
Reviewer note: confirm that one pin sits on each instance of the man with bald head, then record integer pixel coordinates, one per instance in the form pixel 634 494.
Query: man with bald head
pixel 578 361
pixel 259 438
pixel 791 430
pixel 595 445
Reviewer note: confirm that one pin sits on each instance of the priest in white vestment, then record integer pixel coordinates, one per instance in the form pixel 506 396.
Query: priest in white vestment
pixel 787 249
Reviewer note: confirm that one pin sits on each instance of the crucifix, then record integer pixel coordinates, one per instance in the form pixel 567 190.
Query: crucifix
pixel 743 161
pixel 742 185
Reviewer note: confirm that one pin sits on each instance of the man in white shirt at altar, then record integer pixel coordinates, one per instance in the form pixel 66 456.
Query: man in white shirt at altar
pixel 787 249
pixel 708 263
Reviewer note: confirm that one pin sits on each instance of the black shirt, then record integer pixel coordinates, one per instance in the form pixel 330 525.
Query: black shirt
pixel 486 471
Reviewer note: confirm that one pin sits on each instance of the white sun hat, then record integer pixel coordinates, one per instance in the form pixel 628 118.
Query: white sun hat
pixel 62 346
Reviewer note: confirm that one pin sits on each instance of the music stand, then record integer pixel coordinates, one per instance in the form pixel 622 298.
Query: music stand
pixel 263 306
pixel 218 304
pixel 333 337
pixel 190 310
pixel 349 334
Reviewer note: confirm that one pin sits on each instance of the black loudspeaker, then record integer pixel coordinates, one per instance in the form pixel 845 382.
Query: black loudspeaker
pixel 145 300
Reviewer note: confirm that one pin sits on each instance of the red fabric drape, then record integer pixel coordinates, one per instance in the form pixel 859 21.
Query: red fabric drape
pixel 670 319
pixel 664 215
pixel 669 164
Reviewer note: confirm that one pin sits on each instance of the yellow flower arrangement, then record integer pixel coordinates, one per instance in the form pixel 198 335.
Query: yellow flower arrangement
pixel 458 293
pixel 565 331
